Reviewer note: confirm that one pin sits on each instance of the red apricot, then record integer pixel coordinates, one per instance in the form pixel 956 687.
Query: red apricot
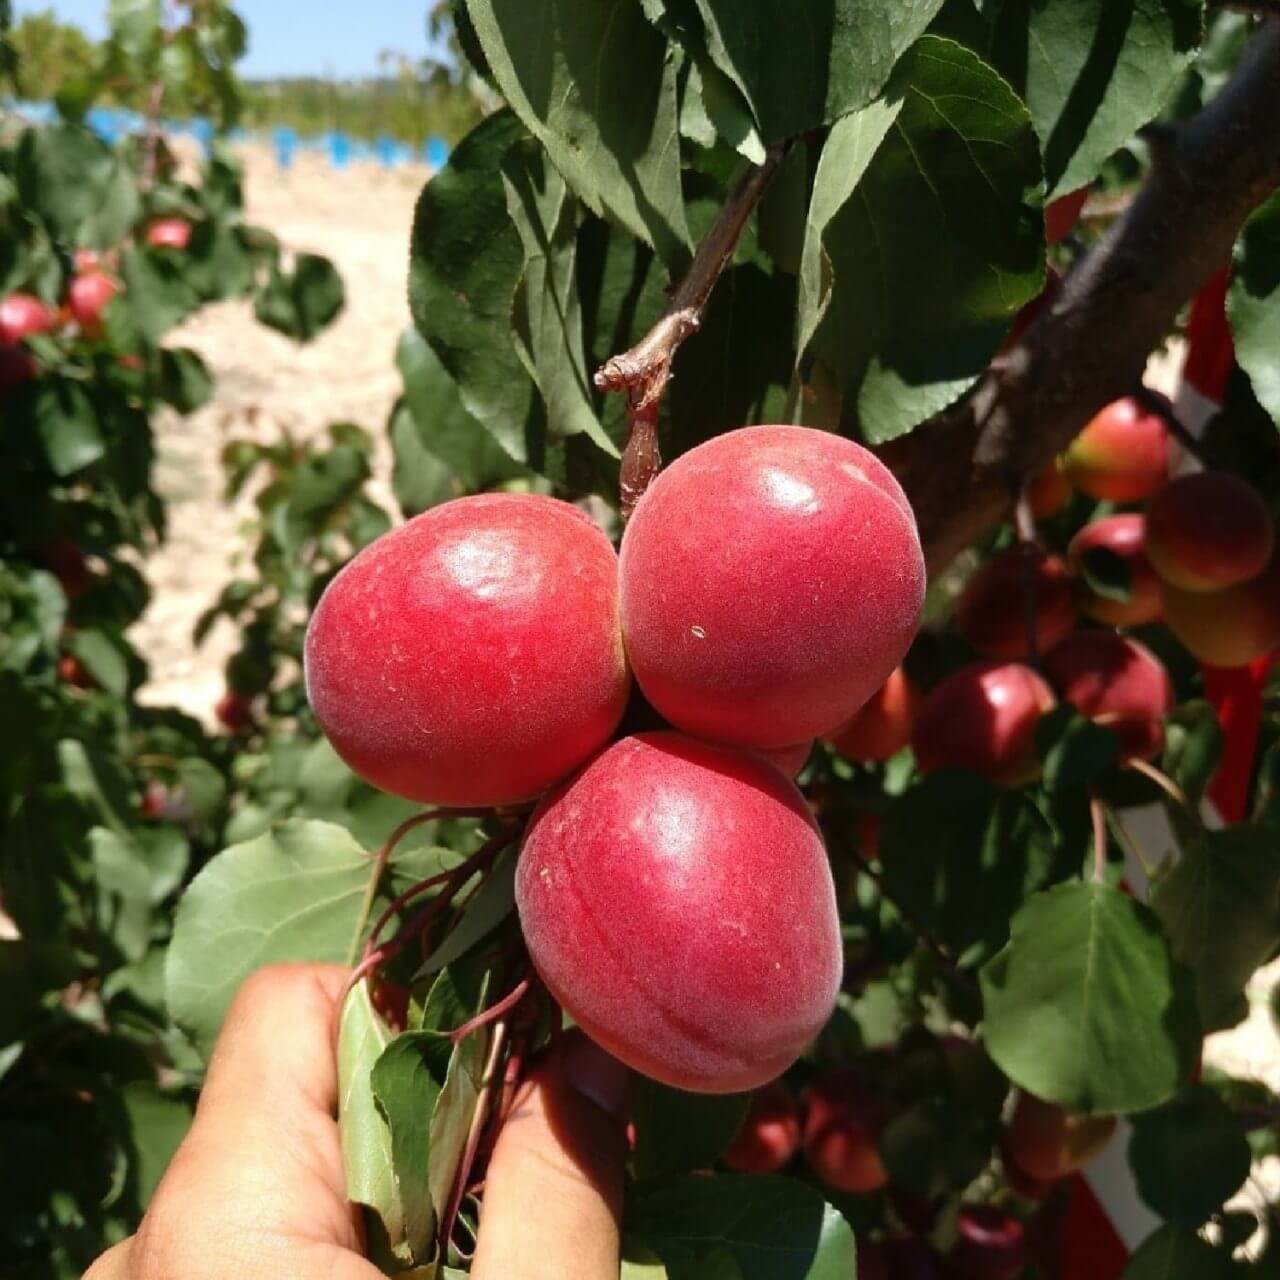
pixel 789 759
pixel 883 726
pixel 991 1244
pixel 772 578
pixel 17 365
pixel 1047 1143
pixel 1048 492
pixel 169 233
pixel 984 717
pixel 1116 682
pixel 770 1133
pixel 676 899
pixel 155 800
pixel 472 656
pixel 1208 531
pixel 1123 536
pixel 1122 455
pixel 234 711
pixel 73 672
pixel 1020 1180
pixel 67 563
pixel 1062 214
pixel 22 315
pixel 844 1117
pixel 88 297
pixel 992 610
pixel 1228 628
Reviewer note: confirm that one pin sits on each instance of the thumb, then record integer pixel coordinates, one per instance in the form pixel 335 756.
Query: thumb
pixel 553 1192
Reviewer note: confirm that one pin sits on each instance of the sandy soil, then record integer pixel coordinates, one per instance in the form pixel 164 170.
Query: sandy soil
pixel 267 384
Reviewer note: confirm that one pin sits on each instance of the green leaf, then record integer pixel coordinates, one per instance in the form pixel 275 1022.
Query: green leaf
pixel 136 25
pixel 301 303
pixel 104 656
pixel 158 1122
pixel 1192 746
pixel 185 380
pixel 466 260
pixel 960 855
pixel 436 431
pixel 205 789
pixel 677 1132
pixel 68 426
pixel 917 259
pixel 1173 1253
pixel 368 1160
pixel 488 907
pixel 158 296
pixel 593 83
pixel 1220 905
pixel 1189 1157
pixel 1075 751
pixel 29 969
pixel 1253 303
pixel 1087 1007
pixel 293 893
pixel 1092 72
pixel 768 1228
pixel 98 781
pixel 801 70
pixel 321 485
pixel 548 311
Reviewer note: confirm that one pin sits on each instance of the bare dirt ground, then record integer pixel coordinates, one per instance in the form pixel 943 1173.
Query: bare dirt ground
pixel 360 219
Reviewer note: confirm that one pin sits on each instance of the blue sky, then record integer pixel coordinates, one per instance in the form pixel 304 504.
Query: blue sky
pixel 296 37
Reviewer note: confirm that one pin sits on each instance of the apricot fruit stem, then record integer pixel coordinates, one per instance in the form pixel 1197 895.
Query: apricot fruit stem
pixel 1099 816
pixel 1129 844
pixel 493 1012
pixel 1165 783
pixel 379 869
pixel 643 371
pixel 1159 403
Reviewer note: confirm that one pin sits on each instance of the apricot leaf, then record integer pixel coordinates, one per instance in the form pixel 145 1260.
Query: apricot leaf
pixel 800 70
pixel 913 270
pixel 1220 905
pixel 758 1228
pixel 1173 1253
pixel 677 1131
pixel 1253 303
pixel 1087 1006
pixel 1092 72
pixel 1189 1157
pixel 593 83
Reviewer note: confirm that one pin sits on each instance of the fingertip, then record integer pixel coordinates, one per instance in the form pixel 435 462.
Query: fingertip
pixel 596 1074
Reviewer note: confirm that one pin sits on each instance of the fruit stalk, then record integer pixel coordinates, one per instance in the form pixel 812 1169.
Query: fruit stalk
pixel 643 371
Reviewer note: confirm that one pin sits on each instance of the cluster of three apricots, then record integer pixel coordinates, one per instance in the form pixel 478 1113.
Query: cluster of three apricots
pixel 673 887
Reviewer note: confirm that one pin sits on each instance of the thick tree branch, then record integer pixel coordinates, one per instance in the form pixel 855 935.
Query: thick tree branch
pixel 964 470
pixel 643 371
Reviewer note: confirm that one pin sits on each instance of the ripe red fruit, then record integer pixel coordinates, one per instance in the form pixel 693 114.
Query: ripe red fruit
pixel 1124 536
pixel 990 1244
pixel 472 656
pixel 1122 455
pixel 1116 682
pixel 155 800
pixel 1047 1143
pixel 67 563
pixel 992 610
pixel 844 1117
pixel 770 1134
pixel 1228 628
pixel 1062 214
pixel 984 717
pixel 1020 1180
pixel 789 759
pixel 88 298
pixel 234 711
pixel 772 578
pixel 676 899
pixel 73 672
pixel 22 315
pixel 883 727
pixel 1048 492
pixel 1208 531
pixel 17 365
pixel 169 233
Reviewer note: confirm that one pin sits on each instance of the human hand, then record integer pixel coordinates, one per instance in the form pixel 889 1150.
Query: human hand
pixel 256 1189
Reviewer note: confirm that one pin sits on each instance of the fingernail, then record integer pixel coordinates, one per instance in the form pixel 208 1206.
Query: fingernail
pixel 596 1074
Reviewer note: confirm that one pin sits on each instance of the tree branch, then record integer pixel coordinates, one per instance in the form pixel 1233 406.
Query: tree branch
pixel 643 371
pixel 963 470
